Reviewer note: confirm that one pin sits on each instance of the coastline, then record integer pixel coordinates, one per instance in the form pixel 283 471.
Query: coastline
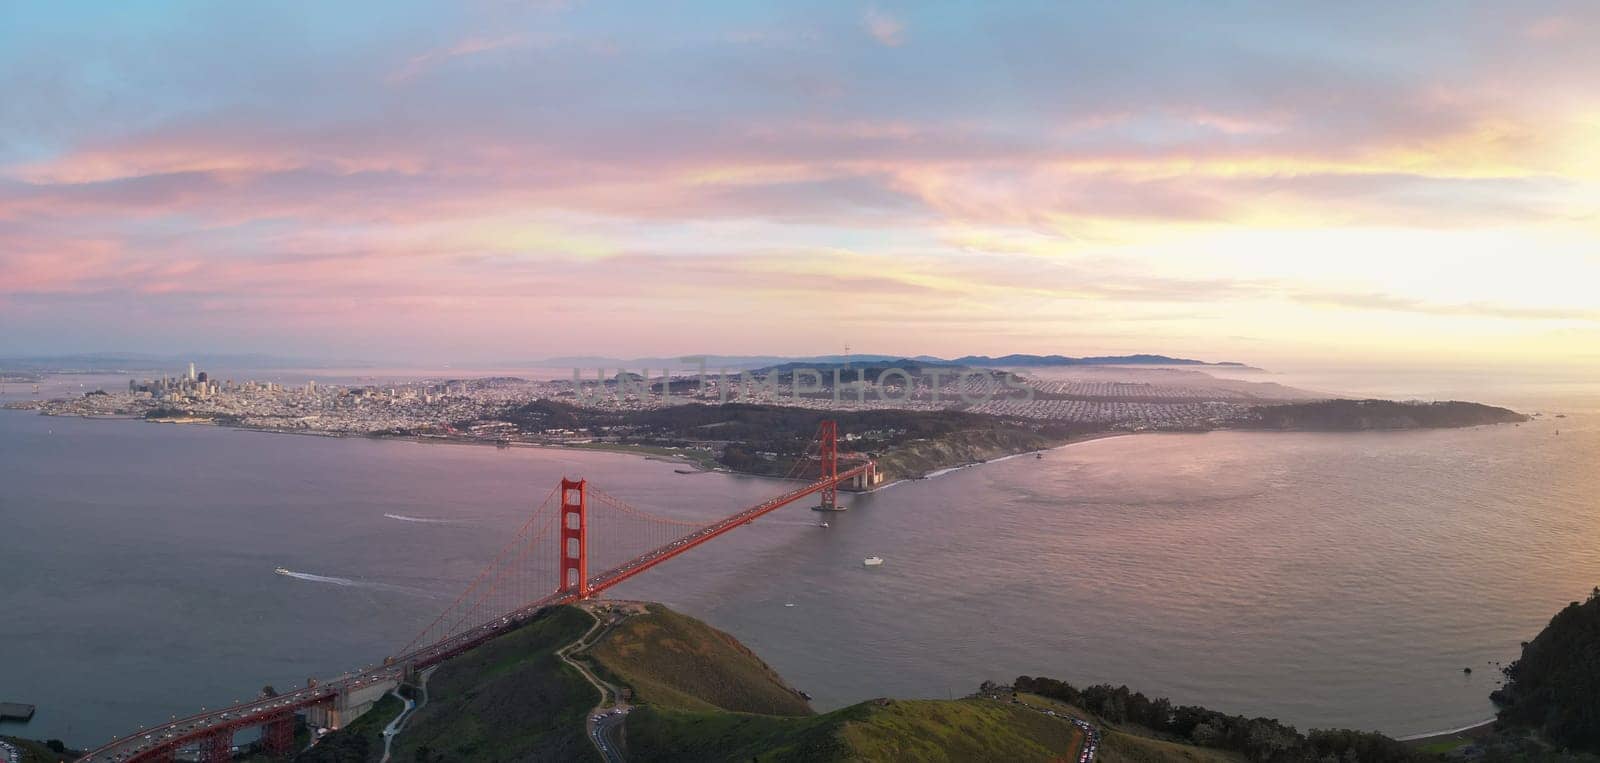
pixel 633 450
pixel 1082 440
pixel 647 452
pixel 1462 735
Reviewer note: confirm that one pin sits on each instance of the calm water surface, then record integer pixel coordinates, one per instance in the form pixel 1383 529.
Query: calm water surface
pixel 1328 580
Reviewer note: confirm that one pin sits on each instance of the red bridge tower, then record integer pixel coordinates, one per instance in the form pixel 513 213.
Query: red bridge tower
pixel 574 538
pixel 828 454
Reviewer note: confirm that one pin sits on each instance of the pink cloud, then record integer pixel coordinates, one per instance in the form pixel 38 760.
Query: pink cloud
pixel 884 28
pixel 1548 28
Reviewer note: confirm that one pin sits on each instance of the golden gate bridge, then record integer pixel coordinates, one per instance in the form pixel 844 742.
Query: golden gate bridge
pixel 579 542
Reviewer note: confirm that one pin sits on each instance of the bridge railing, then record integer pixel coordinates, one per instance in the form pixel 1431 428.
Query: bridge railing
pixel 660 554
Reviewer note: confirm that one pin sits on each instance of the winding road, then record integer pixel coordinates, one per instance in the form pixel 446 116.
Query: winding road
pixel 604 722
pixel 399 723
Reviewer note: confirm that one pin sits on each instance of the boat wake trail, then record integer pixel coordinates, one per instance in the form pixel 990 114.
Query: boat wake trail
pixel 424 520
pixel 348 583
pixel 319 578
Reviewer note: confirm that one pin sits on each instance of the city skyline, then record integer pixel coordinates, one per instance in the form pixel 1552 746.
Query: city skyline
pixel 1361 184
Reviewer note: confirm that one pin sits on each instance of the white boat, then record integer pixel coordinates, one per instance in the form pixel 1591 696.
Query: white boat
pixel 872 561
pixel 822 524
pixel 281 571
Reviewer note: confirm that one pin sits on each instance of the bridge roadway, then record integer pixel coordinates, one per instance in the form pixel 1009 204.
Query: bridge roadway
pixel 654 557
pixel 160 742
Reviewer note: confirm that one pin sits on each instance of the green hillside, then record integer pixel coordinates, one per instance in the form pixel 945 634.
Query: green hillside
pixel 1132 745
pixel 1554 687
pixel 702 696
pixel 675 661
pixel 880 730
pixel 1121 747
pixel 509 699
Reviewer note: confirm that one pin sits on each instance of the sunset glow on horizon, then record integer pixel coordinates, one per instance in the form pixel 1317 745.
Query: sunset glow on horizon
pixel 490 181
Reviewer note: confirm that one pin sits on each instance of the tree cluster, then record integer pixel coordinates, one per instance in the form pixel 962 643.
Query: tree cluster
pixel 1258 739
pixel 1554 687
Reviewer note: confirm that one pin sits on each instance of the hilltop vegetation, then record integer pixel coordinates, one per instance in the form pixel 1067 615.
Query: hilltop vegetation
pixel 509 699
pixel 702 696
pixel 1255 739
pixel 1126 743
pixel 673 660
pixel 699 696
pixel 878 730
pixel 1553 689
pixel 1360 415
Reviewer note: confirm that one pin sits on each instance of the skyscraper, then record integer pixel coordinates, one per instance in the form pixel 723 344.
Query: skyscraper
pixel 191 372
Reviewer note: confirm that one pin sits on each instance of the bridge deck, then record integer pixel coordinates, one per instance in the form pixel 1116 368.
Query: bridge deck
pixel 160 741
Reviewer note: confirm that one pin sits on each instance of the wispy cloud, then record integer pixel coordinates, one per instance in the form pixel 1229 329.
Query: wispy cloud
pixel 884 27
pixel 424 62
pixel 1395 303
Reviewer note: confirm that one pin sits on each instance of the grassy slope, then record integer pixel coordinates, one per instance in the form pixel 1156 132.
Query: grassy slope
pixel 675 661
pixel 1131 745
pixel 509 699
pixel 1122 747
pixel 688 676
pixel 904 730
pixel 704 697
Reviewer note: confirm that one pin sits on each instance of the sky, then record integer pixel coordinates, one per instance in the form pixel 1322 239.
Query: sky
pixel 483 181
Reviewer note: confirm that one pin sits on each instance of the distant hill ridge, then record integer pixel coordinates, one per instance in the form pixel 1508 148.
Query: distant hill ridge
pixel 714 363
pixel 126 361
